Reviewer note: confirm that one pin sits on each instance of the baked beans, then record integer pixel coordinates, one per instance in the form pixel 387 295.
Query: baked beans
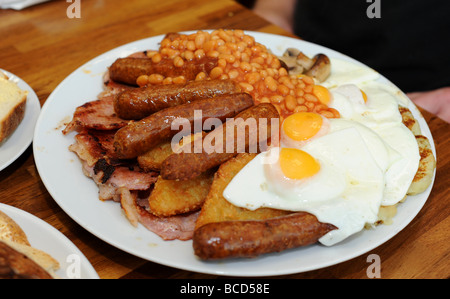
pixel 242 59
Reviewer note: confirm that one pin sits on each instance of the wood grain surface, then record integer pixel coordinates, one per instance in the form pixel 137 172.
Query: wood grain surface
pixel 42 45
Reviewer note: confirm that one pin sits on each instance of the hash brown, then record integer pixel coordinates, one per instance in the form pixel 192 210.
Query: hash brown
pixel 216 208
pixel 170 197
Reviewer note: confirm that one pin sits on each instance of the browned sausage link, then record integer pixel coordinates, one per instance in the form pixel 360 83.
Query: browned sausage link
pixel 141 102
pixel 321 68
pixel 139 137
pixel 127 70
pixel 237 239
pixel 190 164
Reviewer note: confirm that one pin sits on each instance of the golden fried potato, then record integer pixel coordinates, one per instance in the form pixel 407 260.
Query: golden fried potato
pixel 152 159
pixel 170 197
pixel 216 208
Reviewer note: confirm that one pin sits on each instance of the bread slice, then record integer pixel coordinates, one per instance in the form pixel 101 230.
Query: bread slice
pixel 15 265
pixel 12 106
pixel 427 164
pixel 409 121
pixel 18 259
pixel 49 264
pixel 10 230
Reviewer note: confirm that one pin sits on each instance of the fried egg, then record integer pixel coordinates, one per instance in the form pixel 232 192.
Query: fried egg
pixel 375 106
pixel 340 170
pixel 359 95
pixel 345 72
pixel 333 176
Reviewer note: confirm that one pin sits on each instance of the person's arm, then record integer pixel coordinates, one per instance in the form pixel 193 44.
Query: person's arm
pixel 435 101
pixel 278 12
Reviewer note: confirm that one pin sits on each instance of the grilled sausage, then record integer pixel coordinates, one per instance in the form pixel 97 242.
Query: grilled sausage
pixel 321 68
pixel 190 164
pixel 139 137
pixel 141 102
pixel 251 238
pixel 127 70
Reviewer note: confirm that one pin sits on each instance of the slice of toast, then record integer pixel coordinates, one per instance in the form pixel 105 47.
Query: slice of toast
pixel 10 230
pixel 427 164
pixel 15 265
pixel 18 258
pixel 12 106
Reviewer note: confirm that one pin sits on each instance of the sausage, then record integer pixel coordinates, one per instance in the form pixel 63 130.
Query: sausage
pixel 139 137
pixel 141 102
pixel 321 68
pixel 251 238
pixel 190 164
pixel 127 70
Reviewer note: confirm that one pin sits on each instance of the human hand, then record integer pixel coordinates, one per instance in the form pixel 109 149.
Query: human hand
pixel 435 101
pixel 278 12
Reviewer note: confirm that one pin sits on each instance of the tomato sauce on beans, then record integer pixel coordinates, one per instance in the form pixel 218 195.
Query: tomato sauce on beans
pixel 242 59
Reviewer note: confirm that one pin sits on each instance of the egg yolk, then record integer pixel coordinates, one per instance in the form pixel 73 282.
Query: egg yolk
pixel 302 125
pixel 297 164
pixel 322 94
pixel 364 96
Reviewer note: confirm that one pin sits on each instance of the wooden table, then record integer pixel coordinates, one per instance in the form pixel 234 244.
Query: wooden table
pixel 42 46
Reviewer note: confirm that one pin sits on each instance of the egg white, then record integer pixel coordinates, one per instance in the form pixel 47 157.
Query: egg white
pixel 381 115
pixel 344 72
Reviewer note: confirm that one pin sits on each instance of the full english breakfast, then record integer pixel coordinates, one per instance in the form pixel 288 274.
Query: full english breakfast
pixel 344 152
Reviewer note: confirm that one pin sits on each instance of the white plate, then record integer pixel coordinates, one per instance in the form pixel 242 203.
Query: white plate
pixel 43 236
pixel 77 195
pixel 18 142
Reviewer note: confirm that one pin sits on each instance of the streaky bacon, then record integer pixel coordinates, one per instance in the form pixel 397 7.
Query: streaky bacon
pixel 120 180
pixel 132 179
pixel 92 146
pixel 95 149
pixel 125 184
pixel 128 204
pixel 177 227
pixel 97 115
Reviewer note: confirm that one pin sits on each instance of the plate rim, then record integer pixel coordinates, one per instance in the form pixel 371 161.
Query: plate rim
pixel 214 271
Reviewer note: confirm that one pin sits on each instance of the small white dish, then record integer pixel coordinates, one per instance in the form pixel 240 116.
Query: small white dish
pixel 14 146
